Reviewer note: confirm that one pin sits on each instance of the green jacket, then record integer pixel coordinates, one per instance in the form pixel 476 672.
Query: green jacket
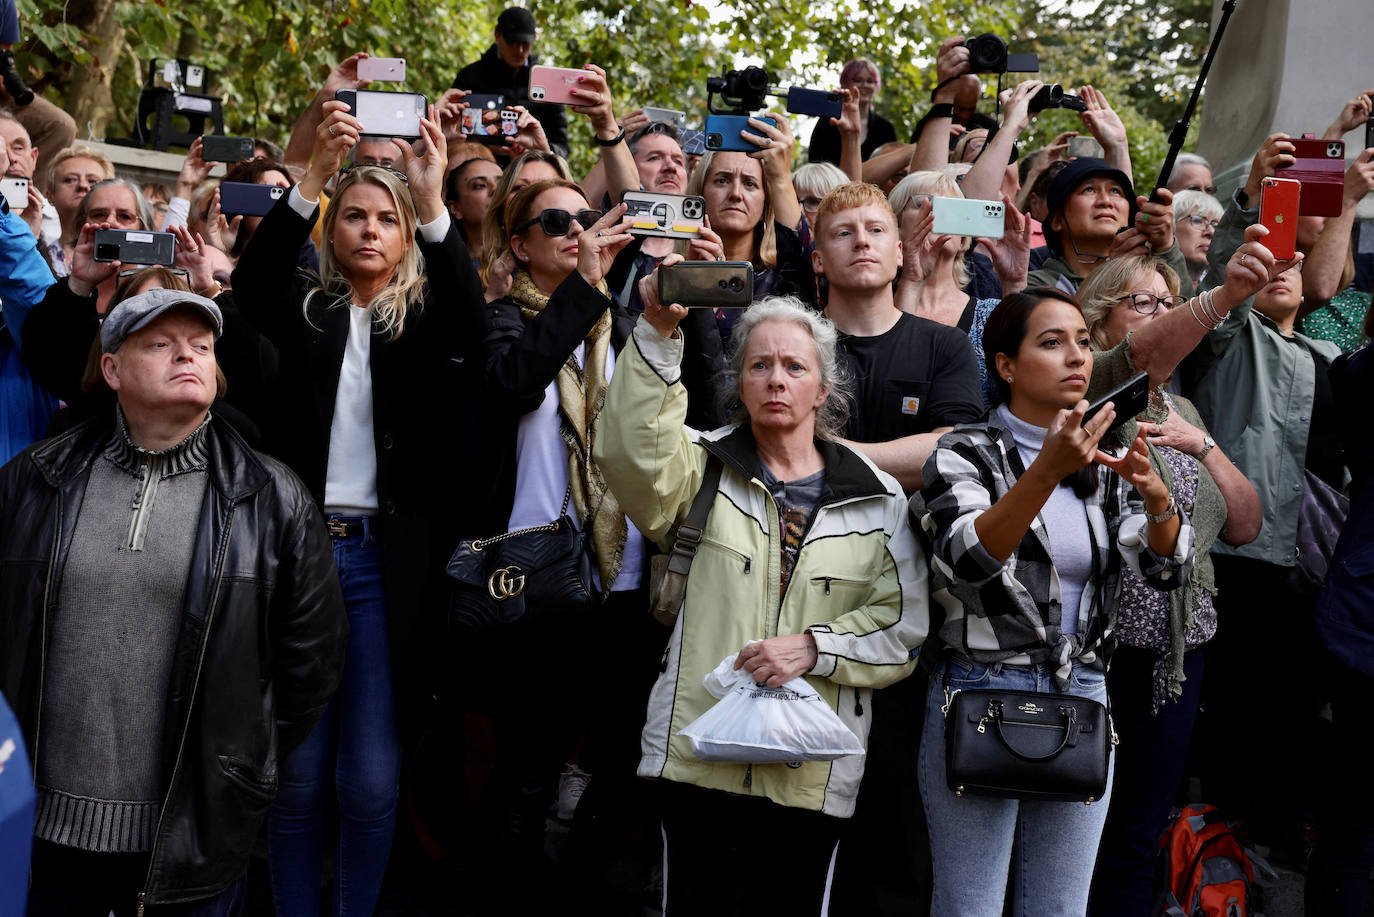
pixel 1055 272
pixel 859 585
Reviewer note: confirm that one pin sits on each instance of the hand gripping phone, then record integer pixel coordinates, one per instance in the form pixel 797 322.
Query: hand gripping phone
pixel 386 114
pixel 1129 400
pixel 816 102
pixel 219 148
pixel 1280 204
pixel 247 198
pixel 669 216
pixel 1320 166
pixel 554 84
pixel 707 284
pixel 722 133
pixel 382 69
pixel 131 246
pixel 957 216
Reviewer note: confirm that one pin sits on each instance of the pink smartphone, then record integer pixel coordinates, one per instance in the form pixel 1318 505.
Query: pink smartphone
pixel 553 84
pixel 1279 202
pixel 382 69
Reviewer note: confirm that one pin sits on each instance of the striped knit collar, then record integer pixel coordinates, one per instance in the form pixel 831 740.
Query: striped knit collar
pixel 191 454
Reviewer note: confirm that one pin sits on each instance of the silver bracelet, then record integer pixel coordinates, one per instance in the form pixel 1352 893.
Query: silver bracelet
pixel 1192 307
pixel 1209 310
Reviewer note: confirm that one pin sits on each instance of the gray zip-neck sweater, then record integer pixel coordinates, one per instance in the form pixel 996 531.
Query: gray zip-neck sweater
pixel 113 634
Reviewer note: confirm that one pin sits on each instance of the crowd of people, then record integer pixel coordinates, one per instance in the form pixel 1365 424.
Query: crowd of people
pixel 269 686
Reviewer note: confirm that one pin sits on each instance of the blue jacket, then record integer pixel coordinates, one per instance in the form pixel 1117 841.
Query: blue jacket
pixel 25 408
pixel 1345 609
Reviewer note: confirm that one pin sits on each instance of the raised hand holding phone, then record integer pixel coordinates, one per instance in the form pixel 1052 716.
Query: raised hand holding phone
pixel 337 134
pixel 664 318
pixel 425 163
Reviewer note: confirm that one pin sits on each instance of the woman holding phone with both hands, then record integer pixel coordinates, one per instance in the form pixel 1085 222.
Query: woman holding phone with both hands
pixel 1029 523
pixel 360 346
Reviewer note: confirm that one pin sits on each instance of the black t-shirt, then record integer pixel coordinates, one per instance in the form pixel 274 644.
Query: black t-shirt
pixel 914 377
pixel 825 139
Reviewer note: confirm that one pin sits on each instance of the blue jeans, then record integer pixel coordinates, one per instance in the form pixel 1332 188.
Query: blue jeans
pixel 972 837
pixel 353 750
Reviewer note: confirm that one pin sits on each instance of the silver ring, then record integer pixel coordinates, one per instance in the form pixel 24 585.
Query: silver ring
pixel 331 131
pixel 1243 256
pixel 598 233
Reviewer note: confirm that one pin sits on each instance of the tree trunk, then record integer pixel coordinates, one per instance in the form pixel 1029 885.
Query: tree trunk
pixel 89 98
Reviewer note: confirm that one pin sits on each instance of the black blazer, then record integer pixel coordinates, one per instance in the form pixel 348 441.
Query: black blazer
pixel 419 385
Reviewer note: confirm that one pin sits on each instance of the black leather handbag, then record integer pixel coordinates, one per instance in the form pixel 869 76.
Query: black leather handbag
pixel 521 576
pixel 1027 745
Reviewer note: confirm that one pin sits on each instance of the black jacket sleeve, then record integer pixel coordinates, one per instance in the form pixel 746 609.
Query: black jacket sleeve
pixel 58 334
pixel 452 316
pixel 266 279
pixel 794 267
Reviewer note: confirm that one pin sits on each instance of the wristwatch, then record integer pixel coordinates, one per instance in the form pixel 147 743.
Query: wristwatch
pixel 1165 516
pixel 1208 444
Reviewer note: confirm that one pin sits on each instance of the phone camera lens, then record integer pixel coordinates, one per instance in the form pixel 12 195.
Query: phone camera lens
pixel 714 141
pixel 721 284
pixel 736 284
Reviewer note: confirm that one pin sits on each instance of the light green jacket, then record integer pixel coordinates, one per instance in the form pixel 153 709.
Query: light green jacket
pixel 859 585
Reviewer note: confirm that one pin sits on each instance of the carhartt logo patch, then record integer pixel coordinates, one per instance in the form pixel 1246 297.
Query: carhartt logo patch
pixel 911 404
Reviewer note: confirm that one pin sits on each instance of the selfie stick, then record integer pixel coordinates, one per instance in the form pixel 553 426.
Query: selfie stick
pixel 1180 129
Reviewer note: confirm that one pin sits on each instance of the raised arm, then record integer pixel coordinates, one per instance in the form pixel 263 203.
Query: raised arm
pixel 302 142
pixel 775 153
pixel 951 73
pixel 1105 125
pixel 850 128
pixel 619 166
pixel 983 182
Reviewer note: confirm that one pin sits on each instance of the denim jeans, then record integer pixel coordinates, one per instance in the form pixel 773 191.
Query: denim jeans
pixel 973 837
pixel 353 751
pixel 67 882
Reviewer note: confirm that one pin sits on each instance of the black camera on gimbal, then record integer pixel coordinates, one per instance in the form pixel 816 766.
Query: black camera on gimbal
pixel 987 53
pixel 1052 95
pixel 740 91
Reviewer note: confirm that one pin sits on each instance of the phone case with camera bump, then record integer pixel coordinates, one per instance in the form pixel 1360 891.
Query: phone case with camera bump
pixel 554 84
pixel 133 247
pixel 1280 205
pixel 473 124
pixel 707 284
pixel 382 69
pixel 957 216
pixel 722 133
pixel 237 197
pixel 386 114
pixel 818 102
pixel 16 192
pixel 670 216
pixel 1320 166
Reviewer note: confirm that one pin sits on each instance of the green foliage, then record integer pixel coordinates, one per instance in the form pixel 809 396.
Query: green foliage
pixel 268 57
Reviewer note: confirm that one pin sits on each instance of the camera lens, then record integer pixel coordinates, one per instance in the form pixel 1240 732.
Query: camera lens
pixel 107 252
pixel 736 284
pixel 714 141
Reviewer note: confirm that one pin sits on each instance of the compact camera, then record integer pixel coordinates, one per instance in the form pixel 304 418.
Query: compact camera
pixel 987 53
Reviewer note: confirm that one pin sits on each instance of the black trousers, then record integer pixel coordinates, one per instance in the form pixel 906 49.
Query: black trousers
pixel 727 855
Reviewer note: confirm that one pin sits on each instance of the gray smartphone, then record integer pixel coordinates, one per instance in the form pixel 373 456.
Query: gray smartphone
pixel 219 148
pixel 386 114
pixel 131 246
pixel 671 116
pixel 707 284
pixel 1084 148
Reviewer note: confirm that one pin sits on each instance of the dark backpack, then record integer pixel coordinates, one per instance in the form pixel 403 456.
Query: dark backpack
pixel 1204 870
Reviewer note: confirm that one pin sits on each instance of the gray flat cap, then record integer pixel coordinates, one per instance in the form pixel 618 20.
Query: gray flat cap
pixel 137 311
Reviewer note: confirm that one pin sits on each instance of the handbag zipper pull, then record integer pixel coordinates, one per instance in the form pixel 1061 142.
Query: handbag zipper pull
pixel 982 724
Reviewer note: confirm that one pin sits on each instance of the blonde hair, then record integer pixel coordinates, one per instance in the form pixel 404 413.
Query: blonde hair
pixel 818 178
pixel 767 253
pixel 405 290
pixel 936 184
pixel 79 151
pixel 1113 279
pixel 495 232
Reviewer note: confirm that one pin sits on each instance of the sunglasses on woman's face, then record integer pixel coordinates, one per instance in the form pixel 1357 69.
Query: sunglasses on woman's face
pixel 558 222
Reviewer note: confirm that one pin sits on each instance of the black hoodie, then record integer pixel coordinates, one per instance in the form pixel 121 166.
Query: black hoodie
pixel 493 76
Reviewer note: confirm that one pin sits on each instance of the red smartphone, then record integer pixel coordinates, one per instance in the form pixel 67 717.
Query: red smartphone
pixel 553 84
pixel 1279 203
pixel 1320 166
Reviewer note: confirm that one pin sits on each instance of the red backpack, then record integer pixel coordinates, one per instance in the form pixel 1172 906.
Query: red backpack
pixel 1204 870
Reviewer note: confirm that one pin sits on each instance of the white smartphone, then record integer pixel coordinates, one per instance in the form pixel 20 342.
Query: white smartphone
pixel 16 192
pixel 384 69
pixel 677 119
pixel 386 114
pixel 957 216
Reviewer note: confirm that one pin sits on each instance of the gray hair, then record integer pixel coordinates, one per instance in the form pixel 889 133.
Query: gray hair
pixel 937 183
pixel 1199 202
pixel 654 127
pixel 833 413
pixel 818 178
pixel 145 212
pixel 1187 159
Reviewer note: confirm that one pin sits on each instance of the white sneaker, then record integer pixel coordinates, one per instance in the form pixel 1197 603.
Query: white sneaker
pixel 571 786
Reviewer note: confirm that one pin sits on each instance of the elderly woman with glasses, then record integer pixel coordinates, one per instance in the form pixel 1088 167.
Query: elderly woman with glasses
pixel 1196 217
pixel 1156 672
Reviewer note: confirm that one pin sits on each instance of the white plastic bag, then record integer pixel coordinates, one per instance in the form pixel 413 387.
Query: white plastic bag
pixel 753 724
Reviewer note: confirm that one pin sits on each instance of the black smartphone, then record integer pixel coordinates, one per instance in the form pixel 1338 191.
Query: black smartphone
pixel 248 199
pixel 219 148
pixel 134 246
pixel 474 123
pixel 386 114
pixel 707 284
pixel 1129 400
pixel 1369 132
pixel 816 102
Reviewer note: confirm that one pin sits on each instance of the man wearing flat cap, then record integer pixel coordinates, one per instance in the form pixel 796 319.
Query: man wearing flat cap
pixel 504 70
pixel 170 627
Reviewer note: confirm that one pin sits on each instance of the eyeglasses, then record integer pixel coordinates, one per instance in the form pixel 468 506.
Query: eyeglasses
pixel 558 222
pixel 1148 303
pixel 1201 222
pixel 1210 189
pixel 810 203
pixel 355 166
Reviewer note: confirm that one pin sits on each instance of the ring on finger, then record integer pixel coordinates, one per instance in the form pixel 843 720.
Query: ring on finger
pixel 332 132
pixel 1243 256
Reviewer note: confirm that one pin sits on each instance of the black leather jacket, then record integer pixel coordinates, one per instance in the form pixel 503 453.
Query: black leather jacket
pixel 259 654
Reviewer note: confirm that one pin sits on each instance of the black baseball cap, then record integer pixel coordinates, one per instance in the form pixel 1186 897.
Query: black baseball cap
pixel 1069 178
pixel 516 25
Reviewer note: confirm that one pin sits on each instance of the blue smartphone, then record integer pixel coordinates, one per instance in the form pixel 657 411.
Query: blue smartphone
pixel 722 133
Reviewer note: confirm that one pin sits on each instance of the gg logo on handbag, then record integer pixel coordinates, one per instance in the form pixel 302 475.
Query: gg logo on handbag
pixel 506 583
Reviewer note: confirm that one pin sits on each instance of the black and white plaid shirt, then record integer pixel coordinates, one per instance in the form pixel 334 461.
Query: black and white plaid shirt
pixel 1011 612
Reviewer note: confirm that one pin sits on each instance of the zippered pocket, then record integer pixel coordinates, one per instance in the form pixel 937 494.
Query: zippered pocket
pixel 827 582
pixel 745 559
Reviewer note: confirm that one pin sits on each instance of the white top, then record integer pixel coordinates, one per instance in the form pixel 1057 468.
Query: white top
pixel 350 484
pixel 1065 517
pixel 541 477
